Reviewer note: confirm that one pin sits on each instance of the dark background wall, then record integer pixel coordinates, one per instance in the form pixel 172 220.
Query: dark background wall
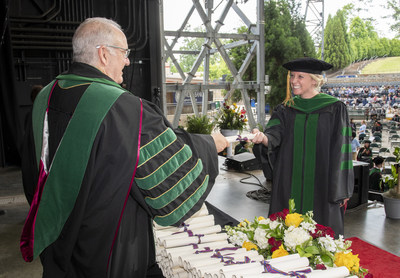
pixel 36 46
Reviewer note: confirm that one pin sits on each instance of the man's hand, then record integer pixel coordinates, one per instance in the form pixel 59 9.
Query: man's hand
pixel 220 142
pixel 259 137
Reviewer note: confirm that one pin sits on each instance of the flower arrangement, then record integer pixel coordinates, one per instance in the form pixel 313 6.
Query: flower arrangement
pixel 287 232
pixel 230 117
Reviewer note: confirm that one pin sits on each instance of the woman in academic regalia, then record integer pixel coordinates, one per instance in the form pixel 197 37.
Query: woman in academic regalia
pixel 310 136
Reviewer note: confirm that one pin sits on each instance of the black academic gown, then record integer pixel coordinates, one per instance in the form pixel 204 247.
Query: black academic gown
pixel 88 245
pixel 311 146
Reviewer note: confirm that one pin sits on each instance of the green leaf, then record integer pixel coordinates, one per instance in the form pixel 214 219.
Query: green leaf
pixel 327 260
pixel 312 249
pixel 292 206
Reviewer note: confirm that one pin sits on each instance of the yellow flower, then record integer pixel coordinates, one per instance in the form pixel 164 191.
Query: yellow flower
pixel 234 104
pixel 244 223
pixel 352 262
pixel 293 219
pixel 249 246
pixel 279 252
pixel 260 218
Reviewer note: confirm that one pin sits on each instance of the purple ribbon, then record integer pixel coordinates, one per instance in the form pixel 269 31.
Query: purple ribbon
pixel 228 260
pixel 298 274
pixel 205 250
pixel 185 229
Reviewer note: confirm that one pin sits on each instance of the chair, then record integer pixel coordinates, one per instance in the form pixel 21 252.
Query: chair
pixel 392 132
pixel 361 137
pixel 384 151
pixel 374 145
pixel 390 159
pixel 394 137
pixel 377 134
pixel 377 139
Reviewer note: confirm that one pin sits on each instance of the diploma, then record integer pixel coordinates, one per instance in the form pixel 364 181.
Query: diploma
pixel 194 240
pixel 330 273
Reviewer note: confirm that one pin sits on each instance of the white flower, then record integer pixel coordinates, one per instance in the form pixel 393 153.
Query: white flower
pixel 318 260
pixel 261 237
pixel 328 243
pixel 274 224
pixel 295 236
pixel 264 221
pixel 341 244
pixel 308 226
pixel 237 238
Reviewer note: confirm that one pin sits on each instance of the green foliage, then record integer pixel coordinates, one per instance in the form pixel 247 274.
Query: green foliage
pixel 337 48
pixel 199 124
pixel 394 8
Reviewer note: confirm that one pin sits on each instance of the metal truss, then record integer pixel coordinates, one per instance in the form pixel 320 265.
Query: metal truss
pixel 212 36
pixel 314 19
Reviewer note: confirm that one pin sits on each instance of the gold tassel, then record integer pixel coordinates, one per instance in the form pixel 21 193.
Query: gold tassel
pixel 288 100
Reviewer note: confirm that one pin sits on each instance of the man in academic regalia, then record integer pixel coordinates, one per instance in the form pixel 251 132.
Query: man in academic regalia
pixel 310 135
pixel 108 163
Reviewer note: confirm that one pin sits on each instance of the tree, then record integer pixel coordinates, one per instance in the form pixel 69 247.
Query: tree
pixel 286 38
pixel 337 50
pixel 394 7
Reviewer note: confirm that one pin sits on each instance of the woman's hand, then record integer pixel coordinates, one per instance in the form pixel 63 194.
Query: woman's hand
pixel 259 137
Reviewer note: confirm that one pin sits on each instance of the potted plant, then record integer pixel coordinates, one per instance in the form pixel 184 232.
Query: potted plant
pixel 230 119
pixel 391 198
pixel 199 124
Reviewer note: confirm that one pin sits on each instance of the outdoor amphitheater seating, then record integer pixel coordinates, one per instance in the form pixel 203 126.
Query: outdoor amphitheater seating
pixel 390 159
pixel 384 152
pixel 394 137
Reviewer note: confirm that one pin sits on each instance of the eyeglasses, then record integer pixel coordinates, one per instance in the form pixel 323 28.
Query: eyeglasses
pixel 126 50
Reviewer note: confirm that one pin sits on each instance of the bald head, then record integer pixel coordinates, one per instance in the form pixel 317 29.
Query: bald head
pixel 90 33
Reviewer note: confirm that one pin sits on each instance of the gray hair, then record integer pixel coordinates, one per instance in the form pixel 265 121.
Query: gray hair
pixel 90 33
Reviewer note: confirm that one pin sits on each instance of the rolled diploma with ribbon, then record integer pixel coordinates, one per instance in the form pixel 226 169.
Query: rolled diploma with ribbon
pixel 199 265
pixel 201 256
pixel 206 223
pixel 190 221
pixel 189 249
pixel 202 231
pixel 271 261
pixel 174 257
pixel 329 273
pixel 217 268
pixel 194 240
pixel 233 139
pixel 285 266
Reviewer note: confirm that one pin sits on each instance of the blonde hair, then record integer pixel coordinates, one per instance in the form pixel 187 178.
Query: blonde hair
pixel 319 78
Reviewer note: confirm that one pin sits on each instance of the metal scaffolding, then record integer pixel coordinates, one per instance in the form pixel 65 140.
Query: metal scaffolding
pixel 314 18
pixel 212 36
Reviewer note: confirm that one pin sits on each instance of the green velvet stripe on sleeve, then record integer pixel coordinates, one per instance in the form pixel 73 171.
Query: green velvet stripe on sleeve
pixel 346 148
pixel 174 216
pixel 346 165
pixel 156 145
pixel 346 131
pixel 165 170
pixel 177 189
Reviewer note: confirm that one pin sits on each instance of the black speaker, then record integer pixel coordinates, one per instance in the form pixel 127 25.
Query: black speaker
pixel 243 162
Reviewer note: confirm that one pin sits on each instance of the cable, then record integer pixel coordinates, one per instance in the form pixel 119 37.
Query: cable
pixel 245 178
